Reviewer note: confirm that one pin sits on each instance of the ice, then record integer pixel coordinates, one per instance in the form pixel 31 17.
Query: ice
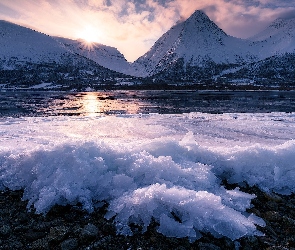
pixel 194 211
pixel 167 168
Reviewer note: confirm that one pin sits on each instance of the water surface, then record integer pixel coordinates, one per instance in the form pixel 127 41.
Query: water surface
pixel 34 103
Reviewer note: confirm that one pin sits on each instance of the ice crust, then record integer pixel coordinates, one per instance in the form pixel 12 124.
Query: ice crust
pixel 163 167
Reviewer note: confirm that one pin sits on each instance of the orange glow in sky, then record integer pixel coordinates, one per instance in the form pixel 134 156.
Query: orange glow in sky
pixel 133 26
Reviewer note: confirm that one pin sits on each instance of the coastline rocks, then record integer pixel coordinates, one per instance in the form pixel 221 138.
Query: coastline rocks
pixel 5 230
pixel 69 227
pixel 88 233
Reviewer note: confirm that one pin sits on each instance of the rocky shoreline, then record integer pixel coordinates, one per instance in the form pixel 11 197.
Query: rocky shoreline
pixel 69 227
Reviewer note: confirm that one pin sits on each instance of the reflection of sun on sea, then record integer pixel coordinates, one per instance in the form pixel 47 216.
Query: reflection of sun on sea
pixel 95 103
pixel 91 105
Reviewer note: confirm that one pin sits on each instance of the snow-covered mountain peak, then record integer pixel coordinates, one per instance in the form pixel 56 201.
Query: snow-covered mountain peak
pixel 199 22
pixel 198 15
pixel 193 42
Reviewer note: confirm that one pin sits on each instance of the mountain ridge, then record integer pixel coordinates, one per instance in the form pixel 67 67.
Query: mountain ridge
pixel 28 58
pixel 192 50
pixel 196 40
pixel 106 56
pixel 277 38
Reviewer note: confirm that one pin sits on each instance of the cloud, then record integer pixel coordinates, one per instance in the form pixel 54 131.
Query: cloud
pixel 133 26
pixel 236 17
pixel 288 14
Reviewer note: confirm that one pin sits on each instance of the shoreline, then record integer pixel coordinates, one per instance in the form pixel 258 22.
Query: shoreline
pixel 70 227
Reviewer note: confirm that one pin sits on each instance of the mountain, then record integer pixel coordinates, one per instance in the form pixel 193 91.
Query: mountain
pixel 278 38
pixel 28 57
pixel 20 45
pixel 192 51
pixel 275 47
pixel 275 70
pixel 195 42
pixel 106 56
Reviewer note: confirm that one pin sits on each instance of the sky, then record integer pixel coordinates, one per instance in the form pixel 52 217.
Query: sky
pixel 133 26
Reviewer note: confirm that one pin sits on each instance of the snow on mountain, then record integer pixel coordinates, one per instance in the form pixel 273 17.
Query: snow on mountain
pixel 194 49
pixel 278 69
pixel 22 45
pixel 278 38
pixel 106 56
pixel 195 41
pixel 29 58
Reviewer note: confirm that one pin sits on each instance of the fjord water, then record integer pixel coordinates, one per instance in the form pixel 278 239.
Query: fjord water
pixel 16 104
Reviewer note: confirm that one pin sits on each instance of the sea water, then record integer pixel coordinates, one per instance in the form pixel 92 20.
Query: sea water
pixel 35 103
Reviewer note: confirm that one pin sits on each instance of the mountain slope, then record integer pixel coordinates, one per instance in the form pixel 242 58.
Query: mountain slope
pixel 277 38
pixel 106 56
pixel 279 69
pixel 21 45
pixel 195 41
pixel 28 58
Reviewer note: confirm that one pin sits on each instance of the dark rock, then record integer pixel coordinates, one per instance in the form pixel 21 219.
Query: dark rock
pixel 40 244
pixel 250 242
pixel 104 243
pixel 32 235
pixel 21 229
pixel 5 230
pixel 273 197
pixel 41 226
pixel 208 246
pixel 69 244
pixel 23 217
pixel 289 221
pixel 272 216
pixel 291 243
pixel 71 227
pixel 271 232
pixel 272 205
pixel 58 233
pixel 89 232
pixel 109 229
pixel 13 244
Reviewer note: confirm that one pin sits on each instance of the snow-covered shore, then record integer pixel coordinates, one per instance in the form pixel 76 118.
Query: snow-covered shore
pixel 166 167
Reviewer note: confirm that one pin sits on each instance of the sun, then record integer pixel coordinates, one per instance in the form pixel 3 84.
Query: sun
pixel 89 34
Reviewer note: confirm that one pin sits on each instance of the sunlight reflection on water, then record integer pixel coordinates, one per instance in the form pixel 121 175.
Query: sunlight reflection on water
pixel 93 103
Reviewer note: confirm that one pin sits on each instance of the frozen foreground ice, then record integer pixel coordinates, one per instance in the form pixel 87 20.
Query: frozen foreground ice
pixel 166 167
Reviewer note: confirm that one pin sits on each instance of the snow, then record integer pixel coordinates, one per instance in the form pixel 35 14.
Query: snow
pixel 166 167
pixel 42 85
pixel 22 45
pixel 197 40
pixel 277 38
pixel 31 46
pixel 106 56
